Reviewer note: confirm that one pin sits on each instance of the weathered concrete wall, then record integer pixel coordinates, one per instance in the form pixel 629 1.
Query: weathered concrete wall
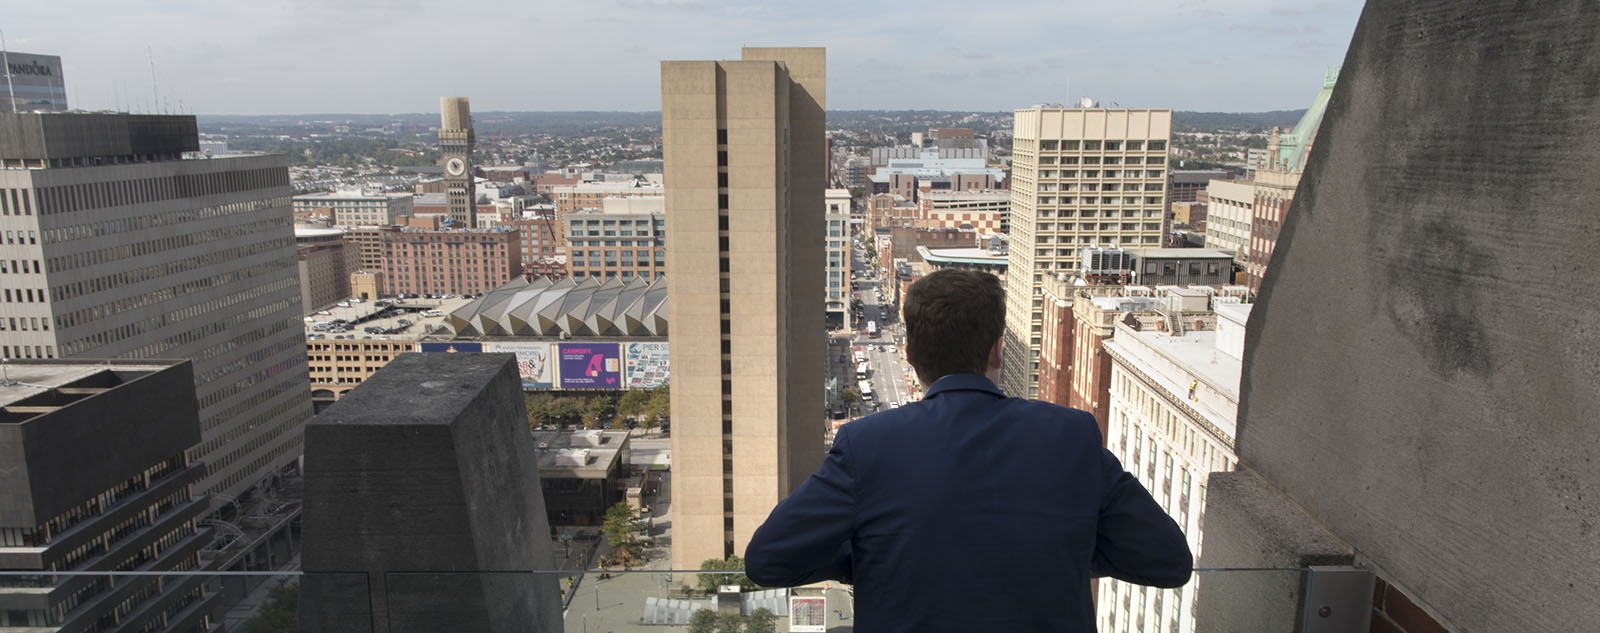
pixel 425 479
pixel 1423 371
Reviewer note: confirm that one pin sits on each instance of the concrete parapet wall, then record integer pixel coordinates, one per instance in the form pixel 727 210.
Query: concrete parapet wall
pixel 1421 375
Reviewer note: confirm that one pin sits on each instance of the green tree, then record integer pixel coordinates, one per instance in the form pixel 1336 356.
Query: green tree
pixel 703 621
pixel 850 395
pixel 730 623
pixel 280 614
pixel 659 408
pixel 709 582
pixel 597 409
pixel 564 411
pixel 762 620
pixel 619 531
pixel 632 404
pixel 540 406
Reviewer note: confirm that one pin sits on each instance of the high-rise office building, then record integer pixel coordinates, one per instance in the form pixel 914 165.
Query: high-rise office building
pixel 455 148
pixel 743 143
pixel 1086 176
pixel 838 282
pixel 115 246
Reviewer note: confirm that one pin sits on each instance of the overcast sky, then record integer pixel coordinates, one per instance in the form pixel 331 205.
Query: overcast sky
pixel 389 56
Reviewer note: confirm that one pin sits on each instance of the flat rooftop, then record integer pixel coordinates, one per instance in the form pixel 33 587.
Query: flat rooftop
pixel 30 388
pixel 1170 359
pixel 360 316
pixel 585 454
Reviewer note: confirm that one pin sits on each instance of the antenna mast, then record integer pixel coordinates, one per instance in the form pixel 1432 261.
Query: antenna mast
pixel 153 92
pixel 5 57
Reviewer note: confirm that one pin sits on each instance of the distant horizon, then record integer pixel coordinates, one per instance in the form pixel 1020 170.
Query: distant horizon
pixel 352 56
pixel 476 113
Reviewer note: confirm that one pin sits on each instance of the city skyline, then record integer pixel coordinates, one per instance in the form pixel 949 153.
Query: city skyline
pixel 353 57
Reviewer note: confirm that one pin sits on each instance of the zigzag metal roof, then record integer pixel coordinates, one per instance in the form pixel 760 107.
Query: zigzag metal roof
pixel 575 307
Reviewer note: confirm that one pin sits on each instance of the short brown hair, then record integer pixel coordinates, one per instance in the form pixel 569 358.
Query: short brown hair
pixel 953 318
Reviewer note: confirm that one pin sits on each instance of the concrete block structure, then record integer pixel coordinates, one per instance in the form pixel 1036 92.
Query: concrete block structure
pixel 94 477
pixel 425 479
pixel 1419 381
pixel 745 174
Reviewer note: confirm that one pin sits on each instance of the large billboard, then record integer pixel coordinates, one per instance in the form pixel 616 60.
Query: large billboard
pixel 536 362
pixel 35 84
pixel 590 366
pixel 647 365
pixel 451 347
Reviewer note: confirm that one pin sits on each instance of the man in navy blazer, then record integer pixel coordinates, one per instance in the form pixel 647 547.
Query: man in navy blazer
pixel 968 511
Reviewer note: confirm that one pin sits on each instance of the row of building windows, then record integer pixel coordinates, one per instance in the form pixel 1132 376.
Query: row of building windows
pixel 235 412
pixel 16 202
pixel 95 195
pixel 21 238
pixel 247 473
pixel 165 244
pixel 20 266
pixel 25 324
pixel 171 269
pixel 44 534
pixel 27 351
pixel 1108 145
pixel 183 317
pixel 286 425
pixel 1088 213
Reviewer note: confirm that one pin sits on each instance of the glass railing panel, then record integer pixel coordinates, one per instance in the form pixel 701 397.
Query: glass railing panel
pixel 581 601
pixel 1266 600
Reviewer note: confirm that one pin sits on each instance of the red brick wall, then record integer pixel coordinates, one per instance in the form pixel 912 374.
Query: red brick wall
pixel 1394 612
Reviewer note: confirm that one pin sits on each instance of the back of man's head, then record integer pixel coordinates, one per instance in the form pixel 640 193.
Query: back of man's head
pixel 953 319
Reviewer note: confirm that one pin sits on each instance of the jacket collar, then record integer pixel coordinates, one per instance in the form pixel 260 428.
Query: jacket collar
pixel 962 382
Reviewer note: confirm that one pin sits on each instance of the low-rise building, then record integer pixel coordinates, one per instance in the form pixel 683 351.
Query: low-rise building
pixel 583 474
pixel 355 207
pixel 326 263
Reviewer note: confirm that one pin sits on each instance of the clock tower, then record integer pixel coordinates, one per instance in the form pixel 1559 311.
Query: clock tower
pixel 455 145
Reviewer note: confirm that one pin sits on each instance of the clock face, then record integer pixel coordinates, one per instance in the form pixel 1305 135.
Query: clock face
pixel 455 166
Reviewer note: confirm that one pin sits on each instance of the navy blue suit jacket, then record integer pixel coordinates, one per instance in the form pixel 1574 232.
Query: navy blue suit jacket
pixel 970 511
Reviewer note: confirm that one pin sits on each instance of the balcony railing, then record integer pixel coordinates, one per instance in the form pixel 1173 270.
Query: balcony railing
pixel 1309 600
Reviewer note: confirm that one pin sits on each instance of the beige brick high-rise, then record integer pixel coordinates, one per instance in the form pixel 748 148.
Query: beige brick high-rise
pixel 744 167
pixel 1080 176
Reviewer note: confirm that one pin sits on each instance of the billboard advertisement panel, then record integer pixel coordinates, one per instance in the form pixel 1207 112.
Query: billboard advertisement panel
pixel 451 347
pixel 535 362
pixel 808 614
pixel 589 366
pixel 647 365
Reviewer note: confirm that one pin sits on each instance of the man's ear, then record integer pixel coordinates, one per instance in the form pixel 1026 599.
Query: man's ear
pixel 994 354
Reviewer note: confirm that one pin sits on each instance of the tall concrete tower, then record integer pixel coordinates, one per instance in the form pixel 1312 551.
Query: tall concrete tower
pixel 455 145
pixel 745 174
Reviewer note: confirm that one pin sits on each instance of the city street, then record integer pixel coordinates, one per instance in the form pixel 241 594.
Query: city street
pixel 890 377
